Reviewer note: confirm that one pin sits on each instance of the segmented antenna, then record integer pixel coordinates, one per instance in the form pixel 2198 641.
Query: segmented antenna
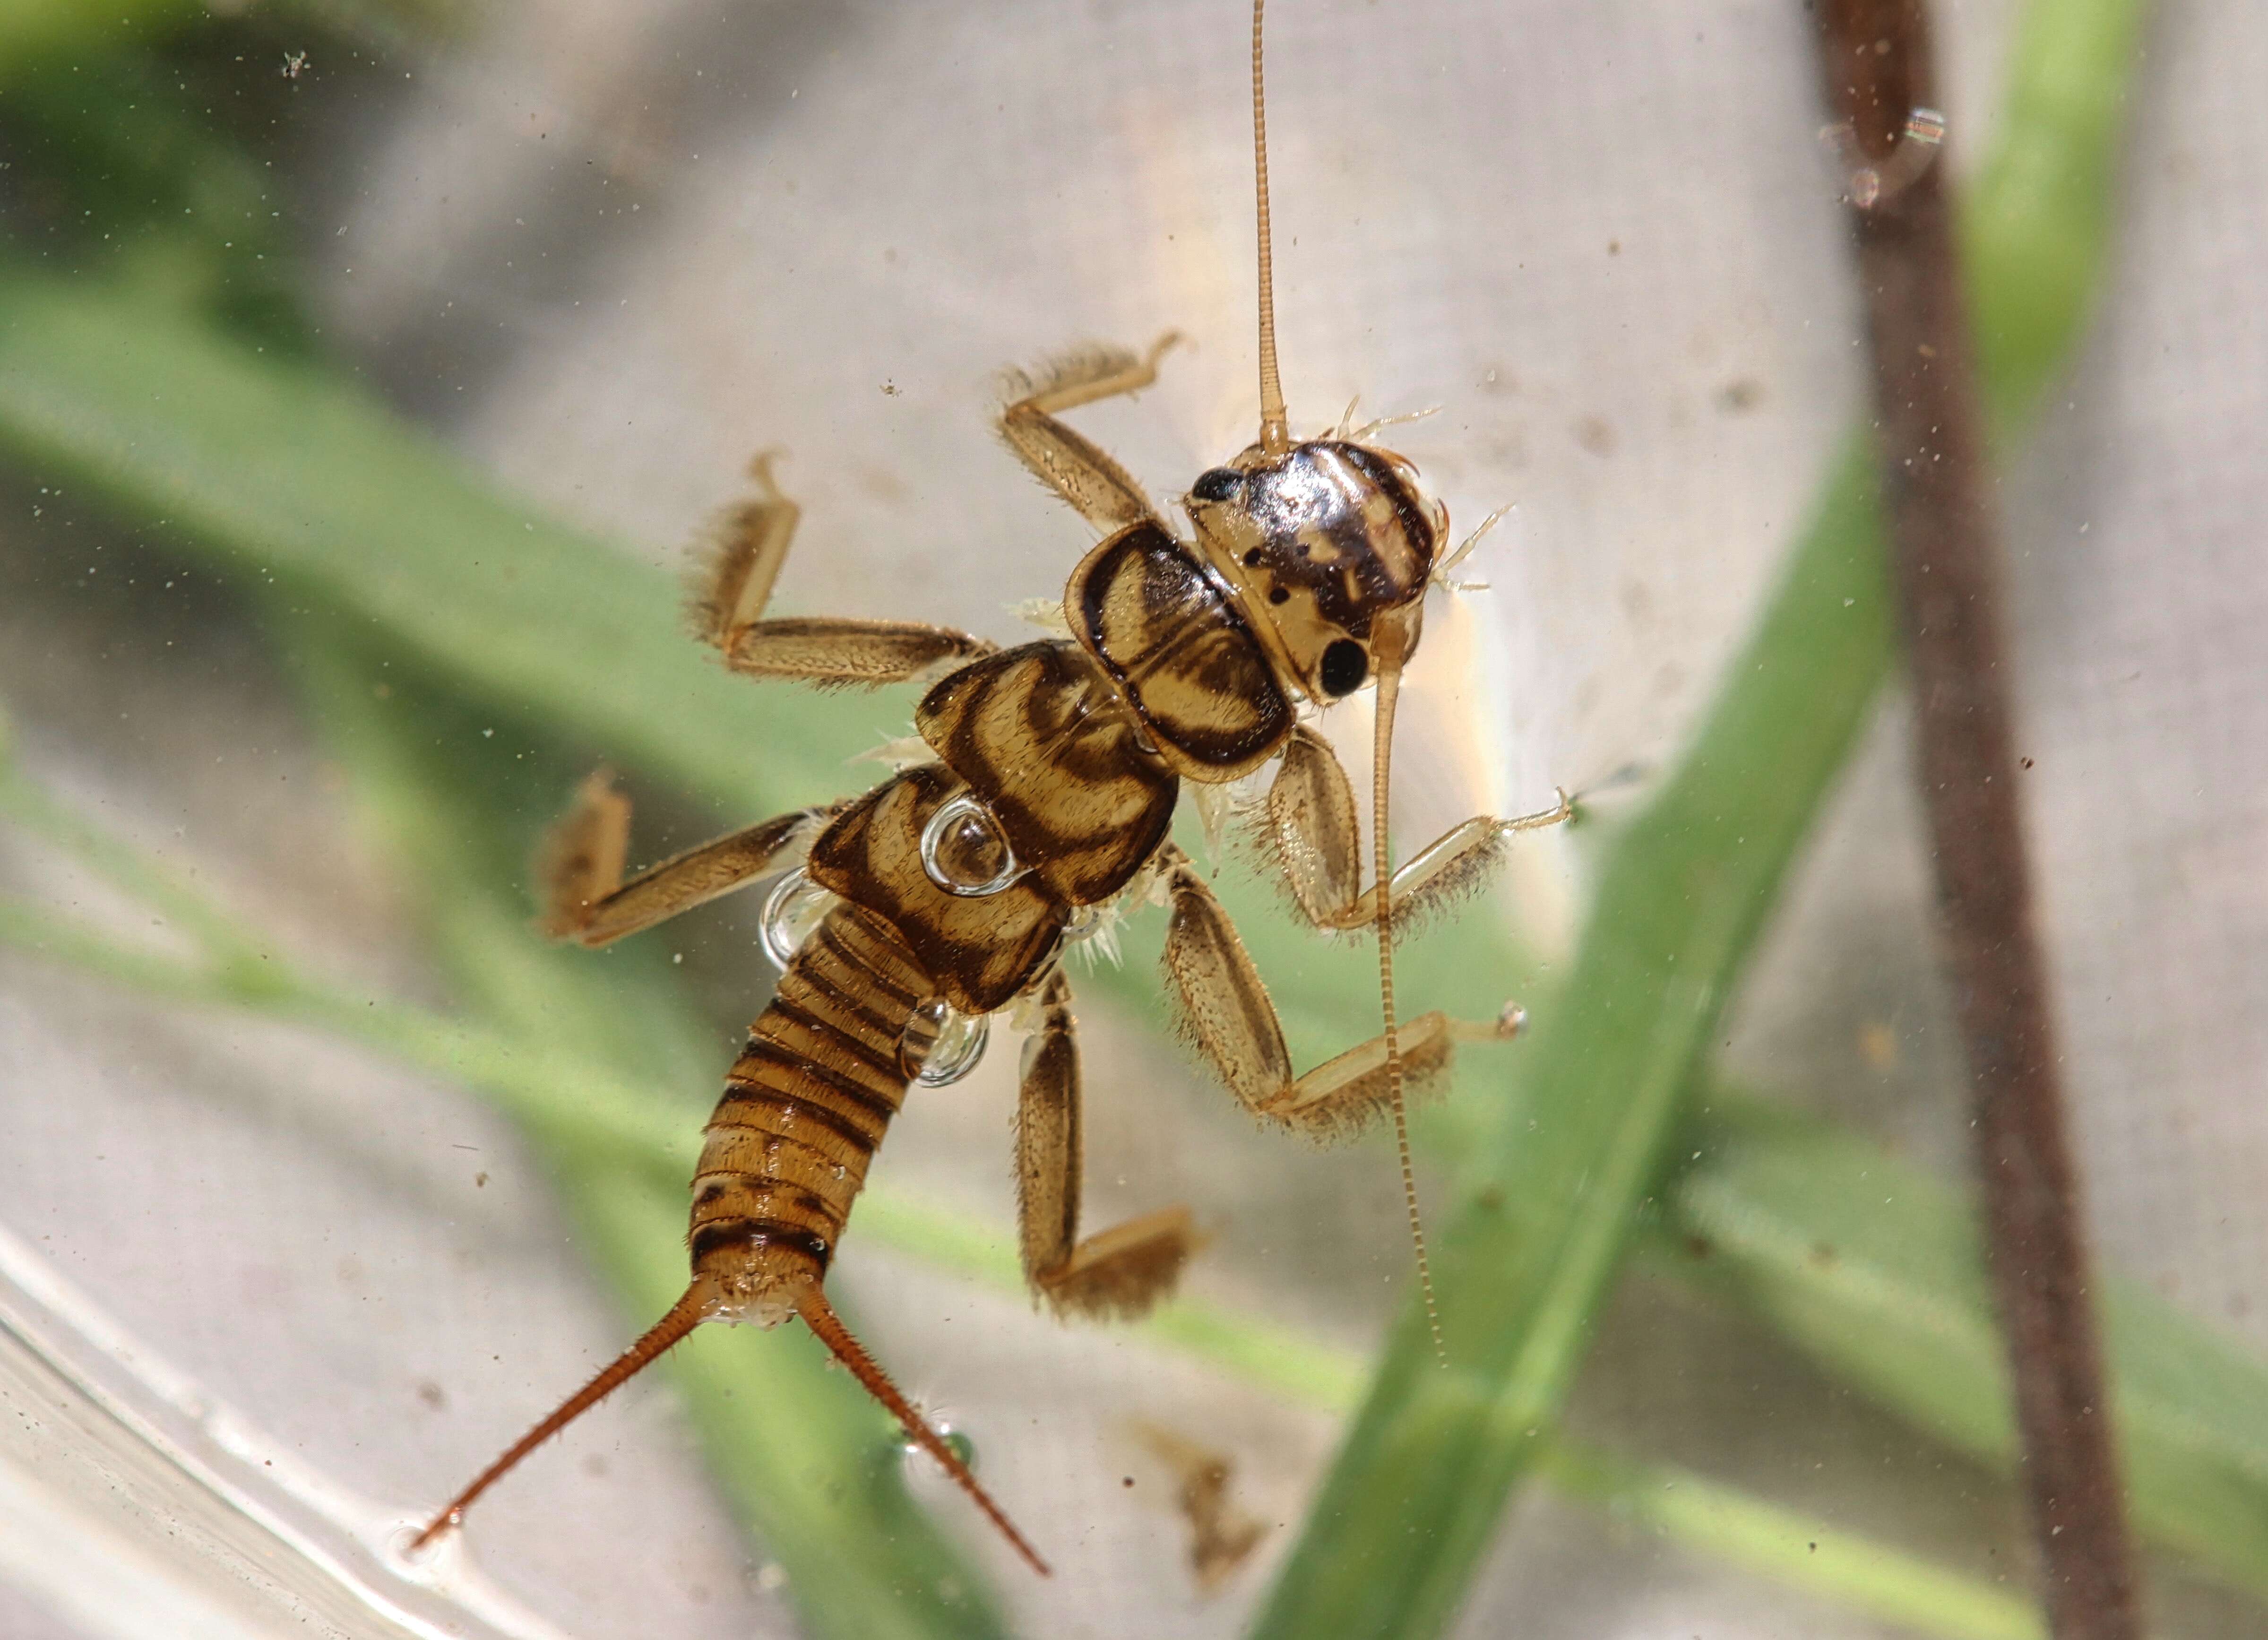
pixel 1275 427
pixel 1389 692
pixel 1276 438
pixel 685 1314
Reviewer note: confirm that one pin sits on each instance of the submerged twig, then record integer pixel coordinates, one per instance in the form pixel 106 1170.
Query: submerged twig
pixel 1930 432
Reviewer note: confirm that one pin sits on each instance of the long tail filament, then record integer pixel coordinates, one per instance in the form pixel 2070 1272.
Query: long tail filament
pixel 688 1314
pixel 820 1316
pixel 685 1314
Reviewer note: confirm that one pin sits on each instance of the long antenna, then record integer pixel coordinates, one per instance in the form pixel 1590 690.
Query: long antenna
pixel 685 1314
pixel 1275 427
pixel 820 1316
pixel 1389 693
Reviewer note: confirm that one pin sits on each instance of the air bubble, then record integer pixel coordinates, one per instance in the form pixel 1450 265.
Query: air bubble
pixel 941 1045
pixel 791 910
pixel 964 851
pixel 956 1442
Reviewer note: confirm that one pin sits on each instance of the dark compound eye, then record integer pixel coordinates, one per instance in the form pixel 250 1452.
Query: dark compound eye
pixel 1345 667
pixel 1217 484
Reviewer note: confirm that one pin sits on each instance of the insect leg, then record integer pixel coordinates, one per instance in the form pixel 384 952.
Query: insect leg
pixel 1098 488
pixel 732 588
pixel 1225 1010
pixel 1126 1269
pixel 580 866
pixel 836 653
pixel 1311 829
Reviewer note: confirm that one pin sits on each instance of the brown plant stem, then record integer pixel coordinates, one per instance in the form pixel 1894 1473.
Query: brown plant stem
pixel 1931 435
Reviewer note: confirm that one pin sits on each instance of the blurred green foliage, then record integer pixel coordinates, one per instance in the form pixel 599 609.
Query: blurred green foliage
pixel 154 353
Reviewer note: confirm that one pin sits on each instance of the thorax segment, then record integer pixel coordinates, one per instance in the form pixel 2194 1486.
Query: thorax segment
pixel 1167 634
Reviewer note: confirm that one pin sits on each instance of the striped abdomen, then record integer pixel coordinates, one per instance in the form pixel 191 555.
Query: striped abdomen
pixel 1044 740
pixel 805 1107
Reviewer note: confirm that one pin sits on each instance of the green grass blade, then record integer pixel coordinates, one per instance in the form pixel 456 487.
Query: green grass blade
pixel 1409 1506
pixel 43 31
pixel 1877 1271
pixel 1412 1501
pixel 178 903
pixel 2036 227
pixel 284 473
pixel 1791 1550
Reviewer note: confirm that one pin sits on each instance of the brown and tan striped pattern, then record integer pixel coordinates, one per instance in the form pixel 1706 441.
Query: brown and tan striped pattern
pixel 1173 644
pixel 979 951
pixel 1058 772
pixel 1102 804
pixel 805 1106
